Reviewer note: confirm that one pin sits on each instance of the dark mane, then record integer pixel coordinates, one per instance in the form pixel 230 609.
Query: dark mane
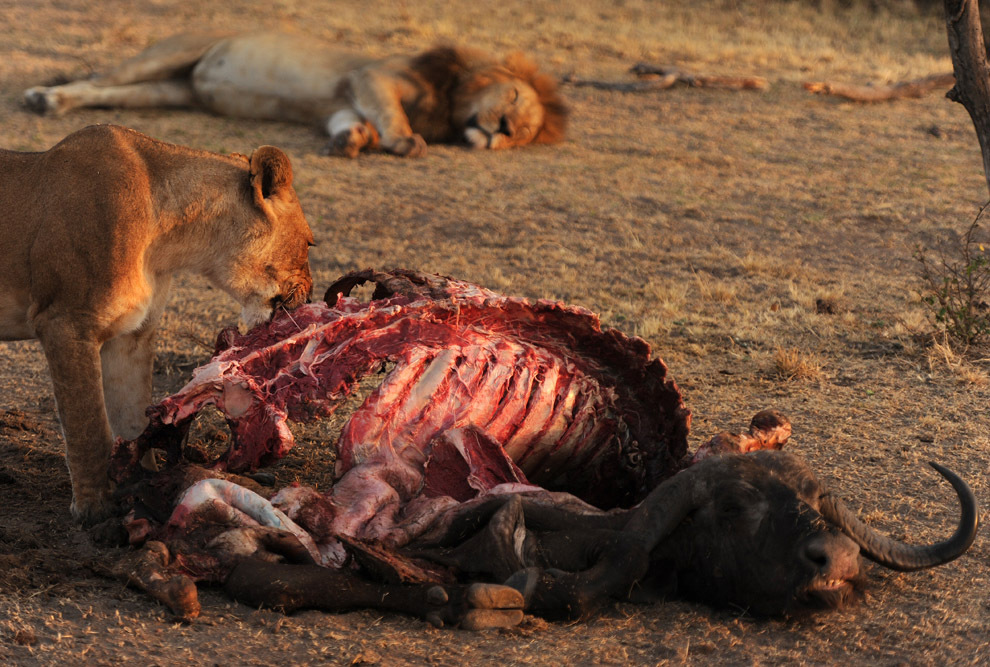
pixel 441 70
pixel 441 67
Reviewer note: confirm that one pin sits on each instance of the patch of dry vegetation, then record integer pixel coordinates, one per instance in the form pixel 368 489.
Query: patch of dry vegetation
pixel 794 364
pixel 955 280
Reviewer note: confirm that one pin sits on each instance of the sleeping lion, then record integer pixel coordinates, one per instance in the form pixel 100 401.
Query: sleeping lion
pixel 398 103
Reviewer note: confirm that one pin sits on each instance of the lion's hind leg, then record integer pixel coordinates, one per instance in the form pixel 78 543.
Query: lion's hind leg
pixel 156 77
pixel 171 58
pixel 350 134
pixel 59 99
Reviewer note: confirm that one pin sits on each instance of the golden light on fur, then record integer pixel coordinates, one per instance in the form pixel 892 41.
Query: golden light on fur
pixel 398 103
pixel 121 214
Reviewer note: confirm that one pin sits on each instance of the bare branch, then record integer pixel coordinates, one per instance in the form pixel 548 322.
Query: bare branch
pixel 969 60
pixel 661 77
pixel 660 83
pixel 894 91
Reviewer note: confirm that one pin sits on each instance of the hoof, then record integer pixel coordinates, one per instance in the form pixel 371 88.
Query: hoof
pixel 493 596
pixel 437 596
pixel 263 478
pixel 492 606
pixel 483 619
pixel 525 582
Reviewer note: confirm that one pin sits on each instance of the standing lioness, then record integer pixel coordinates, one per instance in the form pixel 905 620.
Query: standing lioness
pixel 93 230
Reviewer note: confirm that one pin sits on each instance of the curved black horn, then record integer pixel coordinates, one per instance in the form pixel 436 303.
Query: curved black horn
pixel 905 557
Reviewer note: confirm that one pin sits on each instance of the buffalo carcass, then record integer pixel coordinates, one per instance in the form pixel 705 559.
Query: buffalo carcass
pixel 487 395
pixel 755 531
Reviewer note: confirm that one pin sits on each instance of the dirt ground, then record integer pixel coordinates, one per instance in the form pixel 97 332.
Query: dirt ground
pixel 761 241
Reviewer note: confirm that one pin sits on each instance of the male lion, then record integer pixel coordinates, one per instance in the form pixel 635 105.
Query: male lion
pixel 93 230
pixel 397 103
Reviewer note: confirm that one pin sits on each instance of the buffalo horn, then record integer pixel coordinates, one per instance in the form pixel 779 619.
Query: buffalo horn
pixel 906 557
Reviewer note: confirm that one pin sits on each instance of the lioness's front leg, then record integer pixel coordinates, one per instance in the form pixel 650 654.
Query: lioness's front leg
pixel 378 99
pixel 73 356
pixel 128 364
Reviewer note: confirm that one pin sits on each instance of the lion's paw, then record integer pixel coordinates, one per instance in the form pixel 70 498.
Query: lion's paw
pixel 343 144
pixel 40 100
pixel 414 146
pixel 353 140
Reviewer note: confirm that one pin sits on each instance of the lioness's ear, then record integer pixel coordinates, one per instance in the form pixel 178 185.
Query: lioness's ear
pixel 271 172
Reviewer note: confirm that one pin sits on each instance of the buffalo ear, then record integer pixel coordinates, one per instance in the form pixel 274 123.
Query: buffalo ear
pixel 271 173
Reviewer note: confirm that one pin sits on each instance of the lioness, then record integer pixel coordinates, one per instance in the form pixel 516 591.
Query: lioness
pixel 93 230
pixel 397 103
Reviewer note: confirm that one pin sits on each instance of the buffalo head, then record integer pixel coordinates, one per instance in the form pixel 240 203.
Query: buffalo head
pixel 750 531
pixel 753 536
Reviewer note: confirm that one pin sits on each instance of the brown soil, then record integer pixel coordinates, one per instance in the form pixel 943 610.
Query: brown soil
pixel 760 240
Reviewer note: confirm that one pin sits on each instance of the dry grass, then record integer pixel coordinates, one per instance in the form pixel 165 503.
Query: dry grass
pixel 793 364
pixel 772 265
pixel 944 355
pixel 710 223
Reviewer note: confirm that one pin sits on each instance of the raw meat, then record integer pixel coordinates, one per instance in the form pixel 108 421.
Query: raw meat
pixel 481 395
pixel 574 407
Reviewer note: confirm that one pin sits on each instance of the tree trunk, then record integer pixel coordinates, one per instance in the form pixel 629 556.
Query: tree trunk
pixel 969 60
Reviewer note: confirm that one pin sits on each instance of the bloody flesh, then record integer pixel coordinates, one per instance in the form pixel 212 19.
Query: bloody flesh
pixel 573 407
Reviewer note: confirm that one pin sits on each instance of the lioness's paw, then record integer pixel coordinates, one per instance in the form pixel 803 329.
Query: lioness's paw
pixel 40 100
pixel 90 513
pixel 414 146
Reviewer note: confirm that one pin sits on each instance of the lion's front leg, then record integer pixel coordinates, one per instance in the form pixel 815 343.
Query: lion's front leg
pixel 127 365
pixel 73 356
pixel 378 99
pixel 350 134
